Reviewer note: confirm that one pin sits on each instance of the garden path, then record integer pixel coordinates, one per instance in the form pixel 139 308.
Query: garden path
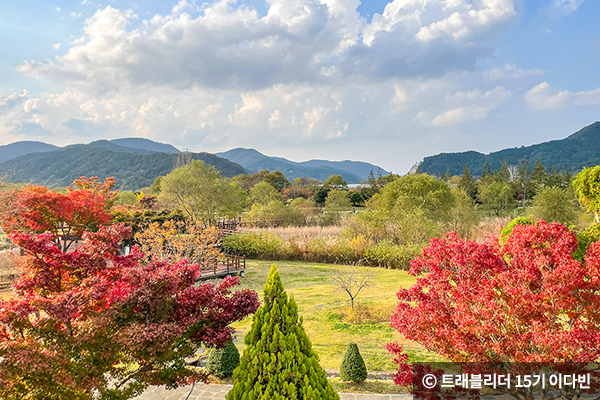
pixel 212 392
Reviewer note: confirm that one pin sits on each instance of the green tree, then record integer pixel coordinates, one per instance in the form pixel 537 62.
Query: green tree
pixel 353 366
pixel 155 187
pixel 522 182
pixel 275 179
pixel 125 197
pixel 335 181
pixel 539 174
pixel 278 362
pixel 587 188
pixel 320 194
pixel 554 204
pixel 422 191
pixel 338 200
pixel 486 174
pixel 504 173
pixel 263 194
pixel 467 184
pixel 497 196
pixel 275 214
pixel 464 216
pixel 221 362
pixel 200 192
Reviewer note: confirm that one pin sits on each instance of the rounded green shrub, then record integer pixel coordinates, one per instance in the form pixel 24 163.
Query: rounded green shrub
pixel 222 362
pixel 353 366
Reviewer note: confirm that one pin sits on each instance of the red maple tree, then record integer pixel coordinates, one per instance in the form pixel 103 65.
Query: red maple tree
pixel 525 301
pixel 66 216
pixel 94 324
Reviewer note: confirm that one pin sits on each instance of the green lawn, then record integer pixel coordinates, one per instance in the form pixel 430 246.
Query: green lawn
pixel 322 307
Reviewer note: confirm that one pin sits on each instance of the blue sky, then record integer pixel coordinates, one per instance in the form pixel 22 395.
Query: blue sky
pixel 378 81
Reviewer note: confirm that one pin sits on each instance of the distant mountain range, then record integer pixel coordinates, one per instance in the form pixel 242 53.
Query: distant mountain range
pixel 254 161
pixel 17 149
pixel 136 162
pixel 134 167
pixel 581 149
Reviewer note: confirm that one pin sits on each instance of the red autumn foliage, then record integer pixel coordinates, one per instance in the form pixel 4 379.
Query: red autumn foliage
pixel 94 324
pixel 66 217
pixel 526 301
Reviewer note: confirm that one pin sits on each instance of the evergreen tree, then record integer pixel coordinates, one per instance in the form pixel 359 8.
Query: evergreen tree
pixel 504 173
pixel 279 362
pixel 467 183
pixel 539 174
pixel 222 362
pixel 521 182
pixel 353 366
pixel 486 175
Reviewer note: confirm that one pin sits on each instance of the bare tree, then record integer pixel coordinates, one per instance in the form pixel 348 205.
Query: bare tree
pixel 352 281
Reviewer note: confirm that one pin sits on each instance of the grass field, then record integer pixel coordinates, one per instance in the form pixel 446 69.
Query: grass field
pixel 322 308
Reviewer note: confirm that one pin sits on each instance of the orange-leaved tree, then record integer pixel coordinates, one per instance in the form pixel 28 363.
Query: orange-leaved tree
pixel 37 209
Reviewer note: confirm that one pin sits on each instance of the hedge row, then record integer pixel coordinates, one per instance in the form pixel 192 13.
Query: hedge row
pixel 334 250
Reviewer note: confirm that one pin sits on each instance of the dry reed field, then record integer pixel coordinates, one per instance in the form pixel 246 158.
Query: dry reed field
pixel 490 227
pixel 301 231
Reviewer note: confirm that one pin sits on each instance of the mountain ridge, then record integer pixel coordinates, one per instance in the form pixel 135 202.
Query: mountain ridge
pixel 133 168
pixel 579 149
pixel 254 161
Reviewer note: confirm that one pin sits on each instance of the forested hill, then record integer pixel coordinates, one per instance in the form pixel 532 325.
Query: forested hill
pixel 254 161
pixel 21 148
pixel 132 168
pixel 581 149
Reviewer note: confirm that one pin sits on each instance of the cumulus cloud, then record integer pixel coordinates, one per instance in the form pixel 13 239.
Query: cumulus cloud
pixel 232 47
pixel 471 105
pixel 302 73
pixel 13 99
pixel 541 97
pixel 427 38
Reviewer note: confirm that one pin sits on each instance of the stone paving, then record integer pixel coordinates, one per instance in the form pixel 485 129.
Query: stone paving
pixel 208 392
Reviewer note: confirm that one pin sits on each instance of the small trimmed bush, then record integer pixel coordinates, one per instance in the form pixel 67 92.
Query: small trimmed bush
pixel 222 362
pixel 353 366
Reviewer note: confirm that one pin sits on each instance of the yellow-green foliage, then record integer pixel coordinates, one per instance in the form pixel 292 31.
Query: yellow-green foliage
pixel 279 362
pixel 332 249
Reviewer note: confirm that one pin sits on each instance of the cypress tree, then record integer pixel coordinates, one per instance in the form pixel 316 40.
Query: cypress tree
pixel 279 362
pixel 222 362
pixel 353 366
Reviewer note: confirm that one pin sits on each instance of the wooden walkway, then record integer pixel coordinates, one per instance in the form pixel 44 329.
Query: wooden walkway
pixel 232 266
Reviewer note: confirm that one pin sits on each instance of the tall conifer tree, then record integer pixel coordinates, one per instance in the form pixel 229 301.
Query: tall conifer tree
pixel 279 362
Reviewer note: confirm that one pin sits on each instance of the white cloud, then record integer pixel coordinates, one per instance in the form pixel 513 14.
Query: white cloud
pixel 308 41
pixel 13 98
pixel 56 46
pixel 471 105
pixel 510 71
pixel 426 20
pixel 564 7
pixel 245 113
pixel 541 97
pixel 305 73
